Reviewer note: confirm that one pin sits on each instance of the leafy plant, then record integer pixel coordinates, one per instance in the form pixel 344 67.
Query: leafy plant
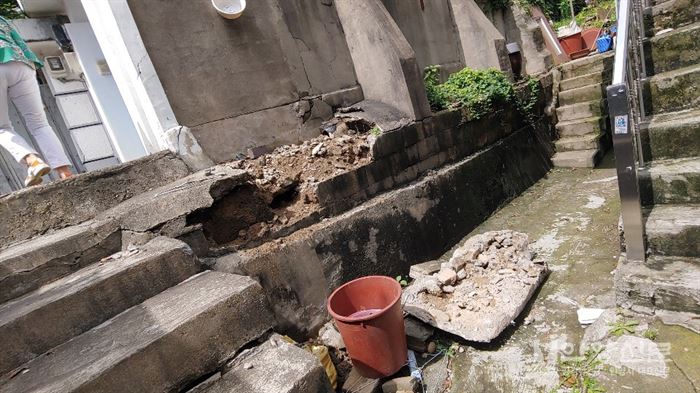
pixel 402 281
pixel 376 131
pixel 478 91
pixel 618 328
pixel 526 105
pixel 9 9
pixel 578 373
pixel 650 334
pixel 449 349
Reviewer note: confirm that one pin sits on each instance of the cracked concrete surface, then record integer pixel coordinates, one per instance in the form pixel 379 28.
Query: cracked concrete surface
pixel 581 247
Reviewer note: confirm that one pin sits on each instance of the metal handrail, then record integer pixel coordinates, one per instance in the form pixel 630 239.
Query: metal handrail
pixel 626 110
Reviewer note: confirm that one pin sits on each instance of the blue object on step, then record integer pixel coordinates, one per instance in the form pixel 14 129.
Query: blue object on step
pixel 604 43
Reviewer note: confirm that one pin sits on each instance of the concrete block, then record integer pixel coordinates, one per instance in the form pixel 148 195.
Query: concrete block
pixel 428 147
pixel 577 158
pixel 412 154
pixel 582 94
pixel 581 110
pixel 23 214
pixel 65 308
pixel 177 199
pixel 674 90
pixel 674 230
pixel 399 162
pixel 603 76
pixel 29 265
pixel 343 98
pixel 428 164
pixel 160 345
pixel 378 170
pixel 387 143
pixel 587 65
pixel 661 283
pixel 276 366
pixel 579 127
pixel 672 135
pixel 674 14
pixel 673 181
pixel 579 142
pixel 677 49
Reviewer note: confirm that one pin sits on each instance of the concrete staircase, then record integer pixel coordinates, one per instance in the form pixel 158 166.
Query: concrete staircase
pixel 669 282
pixel 582 112
pixel 118 304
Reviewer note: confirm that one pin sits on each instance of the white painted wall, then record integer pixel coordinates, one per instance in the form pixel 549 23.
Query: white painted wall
pixel 116 118
pixel 133 72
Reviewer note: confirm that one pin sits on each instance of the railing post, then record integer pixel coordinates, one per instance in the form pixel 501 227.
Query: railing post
pixel 623 142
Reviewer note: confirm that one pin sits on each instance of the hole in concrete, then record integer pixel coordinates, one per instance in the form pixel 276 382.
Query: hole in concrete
pixel 286 196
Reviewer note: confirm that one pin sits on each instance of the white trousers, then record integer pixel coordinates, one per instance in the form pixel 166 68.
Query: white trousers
pixel 18 83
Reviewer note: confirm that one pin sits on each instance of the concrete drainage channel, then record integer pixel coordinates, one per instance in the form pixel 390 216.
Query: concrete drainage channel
pixel 267 244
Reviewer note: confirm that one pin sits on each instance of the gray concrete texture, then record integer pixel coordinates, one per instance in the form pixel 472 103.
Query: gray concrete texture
pixel 65 308
pixel 274 54
pixel 160 345
pixel 276 366
pixel 385 63
pixel 390 233
pixel 34 211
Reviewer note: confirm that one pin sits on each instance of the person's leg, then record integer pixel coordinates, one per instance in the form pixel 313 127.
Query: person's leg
pixel 9 140
pixel 27 98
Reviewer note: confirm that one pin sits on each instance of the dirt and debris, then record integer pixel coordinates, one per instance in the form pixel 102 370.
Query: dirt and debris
pixel 481 289
pixel 287 179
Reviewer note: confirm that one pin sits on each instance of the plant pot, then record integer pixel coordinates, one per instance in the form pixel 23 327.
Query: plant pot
pixel 572 43
pixel 368 314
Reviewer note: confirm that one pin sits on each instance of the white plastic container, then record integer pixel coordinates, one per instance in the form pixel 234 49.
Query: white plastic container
pixel 229 9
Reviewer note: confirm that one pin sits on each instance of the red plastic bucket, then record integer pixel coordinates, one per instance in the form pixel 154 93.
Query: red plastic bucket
pixel 368 314
pixel 572 43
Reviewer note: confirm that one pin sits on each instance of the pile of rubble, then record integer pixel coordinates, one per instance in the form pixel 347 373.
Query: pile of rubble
pixel 480 290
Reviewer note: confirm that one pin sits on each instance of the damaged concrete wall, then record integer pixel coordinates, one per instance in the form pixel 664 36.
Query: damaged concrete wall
pixel 238 83
pixel 430 29
pixel 390 233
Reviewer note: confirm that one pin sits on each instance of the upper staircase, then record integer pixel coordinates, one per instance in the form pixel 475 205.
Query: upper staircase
pixel 669 183
pixel 582 112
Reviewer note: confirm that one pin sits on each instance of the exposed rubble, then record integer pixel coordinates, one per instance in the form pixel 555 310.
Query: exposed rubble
pixel 480 290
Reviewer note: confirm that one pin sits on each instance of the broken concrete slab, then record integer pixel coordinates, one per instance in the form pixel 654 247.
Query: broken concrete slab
pixel 34 211
pixel 636 353
pixel 499 281
pixel 26 266
pixel 63 309
pixel 276 366
pixel 356 383
pixel 166 342
pixel 176 200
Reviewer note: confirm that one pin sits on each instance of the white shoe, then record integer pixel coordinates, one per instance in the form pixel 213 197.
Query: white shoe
pixel 35 173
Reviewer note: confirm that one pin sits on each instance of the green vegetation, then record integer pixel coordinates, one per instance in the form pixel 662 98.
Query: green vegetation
pixel 479 92
pixel 578 373
pixel 650 334
pixel 597 15
pixel 618 328
pixel 9 9
pixel 376 131
pixel 401 281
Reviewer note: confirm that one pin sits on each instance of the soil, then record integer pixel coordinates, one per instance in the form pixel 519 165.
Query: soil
pixel 287 180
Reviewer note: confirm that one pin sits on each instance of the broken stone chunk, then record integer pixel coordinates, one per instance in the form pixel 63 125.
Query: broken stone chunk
pixel 448 289
pixel 447 276
pixel 482 261
pixel 461 274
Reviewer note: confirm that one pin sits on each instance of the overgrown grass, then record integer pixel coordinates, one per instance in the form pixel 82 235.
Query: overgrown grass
pixel 579 373
pixel 588 17
pixel 480 92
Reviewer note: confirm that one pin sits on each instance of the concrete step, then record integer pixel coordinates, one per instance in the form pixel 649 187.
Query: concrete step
pixel 587 65
pixel 579 127
pixel 673 230
pixel 582 110
pixel 577 159
pixel 662 283
pixel 673 50
pixel 673 91
pixel 603 76
pixel 160 345
pixel 53 314
pixel 674 14
pixel 26 266
pixel 34 211
pixel 579 142
pixel 274 366
pixel 674 181
pixel 582 94
pixel 672 135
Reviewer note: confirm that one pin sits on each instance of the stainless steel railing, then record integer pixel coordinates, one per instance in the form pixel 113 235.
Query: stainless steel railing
pixel 626 110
